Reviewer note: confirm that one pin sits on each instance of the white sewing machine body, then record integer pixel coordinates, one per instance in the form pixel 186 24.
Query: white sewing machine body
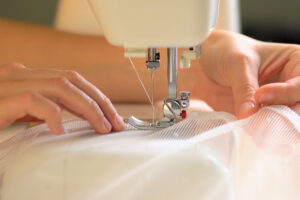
pixel 143 26
pixel 156 23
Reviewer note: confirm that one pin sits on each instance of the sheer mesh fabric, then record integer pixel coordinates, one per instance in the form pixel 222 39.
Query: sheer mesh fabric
pixel 210 155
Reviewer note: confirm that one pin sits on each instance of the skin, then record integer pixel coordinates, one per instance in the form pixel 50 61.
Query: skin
pixel 46 51
pixel 243 74
pixel 30 94
pixel 240 75
pixel 91 56
pixel 235 73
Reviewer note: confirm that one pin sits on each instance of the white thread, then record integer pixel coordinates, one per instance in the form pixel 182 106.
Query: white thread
pixel 141 82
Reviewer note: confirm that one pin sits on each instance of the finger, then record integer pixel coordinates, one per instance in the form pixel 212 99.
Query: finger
pixel 286 93
pixel 29 118
pixel 64 92
pixel 103 101
pixel 80 82
pixel 32 104
pixel 78 101
pixel 8 71
pixel 244 83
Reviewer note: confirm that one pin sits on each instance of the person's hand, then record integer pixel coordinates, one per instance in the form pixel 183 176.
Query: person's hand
pixel 41 94
pixel 239 74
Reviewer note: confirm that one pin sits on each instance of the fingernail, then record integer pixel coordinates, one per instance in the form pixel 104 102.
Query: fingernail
pixel 107 125
pixel 246 109
pixel 266 98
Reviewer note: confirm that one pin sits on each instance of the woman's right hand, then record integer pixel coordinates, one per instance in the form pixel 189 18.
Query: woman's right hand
pixel 41 94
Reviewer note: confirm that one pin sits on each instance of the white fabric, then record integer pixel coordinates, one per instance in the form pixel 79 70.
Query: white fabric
pixel 209 155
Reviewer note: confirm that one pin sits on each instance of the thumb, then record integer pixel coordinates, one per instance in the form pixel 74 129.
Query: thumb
pixel 286 93
pixel 244 84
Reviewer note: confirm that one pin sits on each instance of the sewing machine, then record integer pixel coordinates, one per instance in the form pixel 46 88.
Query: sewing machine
pixel 142 26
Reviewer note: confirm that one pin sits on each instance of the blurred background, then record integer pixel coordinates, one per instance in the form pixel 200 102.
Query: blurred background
pixel 268 20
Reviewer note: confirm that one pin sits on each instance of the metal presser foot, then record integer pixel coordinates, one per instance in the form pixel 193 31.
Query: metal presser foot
pixel 174 110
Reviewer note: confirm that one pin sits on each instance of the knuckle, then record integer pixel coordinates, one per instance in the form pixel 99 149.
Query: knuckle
pixel 28 97
pixel 72 75
pixel 248 87
pixel 15 65
pixel 96 109
pixel 239 65
pixel 247 90
pixel 106 100
pixel 239 58
pixel 93 105
pixel 10 68
pixel 60 82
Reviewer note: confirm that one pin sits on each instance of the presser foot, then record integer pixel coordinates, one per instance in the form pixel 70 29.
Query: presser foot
pixel 146 125
pixel 174 110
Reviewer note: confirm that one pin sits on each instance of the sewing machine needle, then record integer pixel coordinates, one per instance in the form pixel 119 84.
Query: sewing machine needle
pixel 152 97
